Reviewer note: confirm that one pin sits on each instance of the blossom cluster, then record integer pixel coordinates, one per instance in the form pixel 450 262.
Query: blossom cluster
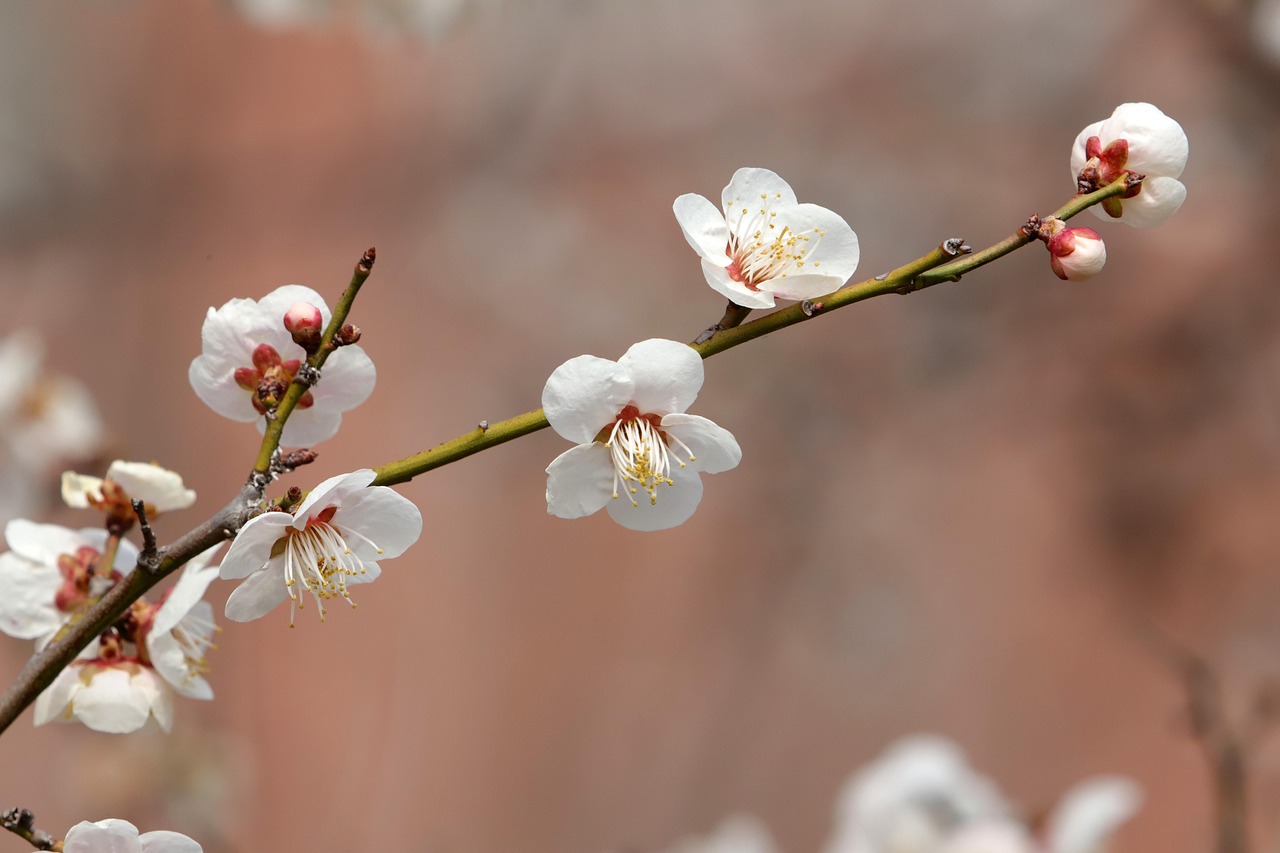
pixel 922 796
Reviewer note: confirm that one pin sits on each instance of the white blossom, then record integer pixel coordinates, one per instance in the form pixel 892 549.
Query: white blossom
pixel 181 630
pixel 249 358
pixel 159 488
pixel 115 695
pixel 49 572
pixel 634 440
pixel 736 834
pixel 1075 254
pixel 764 244
pixel 120 836
pixel 922 796
pixel 1137 138
pixel 333 539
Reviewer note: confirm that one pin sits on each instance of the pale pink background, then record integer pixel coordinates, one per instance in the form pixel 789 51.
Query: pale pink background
pixel 957 511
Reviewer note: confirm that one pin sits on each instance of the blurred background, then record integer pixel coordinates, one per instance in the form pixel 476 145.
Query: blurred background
pixel 963 511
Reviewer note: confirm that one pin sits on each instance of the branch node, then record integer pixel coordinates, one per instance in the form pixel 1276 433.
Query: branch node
pixel 810 308
pixel 307 375
pixel 483 426
pixel 21 822
pixel 365 264
pixel 1032 226
pixel 882 276
pixel 283 464
pixel 955 246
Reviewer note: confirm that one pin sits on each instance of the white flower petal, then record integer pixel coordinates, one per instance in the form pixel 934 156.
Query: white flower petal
pixel 798 287
pixel 667 375
pixel 833 247
pixel 674 506
pixel 584 395
pixel 1090 813
pixel 260 593
pixel 346 380
pixel 251 549
pixel 44 543
pixel 54 701
pixel 752 188
pixel 704 227
pixel 214 383
pixel 1159 199
pixel 186 593
pixel 78 488
pixel 27 608
pixel 579 481
pixel 735 291
pixel 1157 143
pixel 714 447
pixel 1003 836
pixel 378 515
pixel 335 491
pixel 307 427
pixel 105 836
pixel 159 487
pixel 112 703
pixel 163 841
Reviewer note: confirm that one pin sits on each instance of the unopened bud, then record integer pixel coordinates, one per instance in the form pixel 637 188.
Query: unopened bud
pixel 304 322
pixel 1074 253
pixel 347 335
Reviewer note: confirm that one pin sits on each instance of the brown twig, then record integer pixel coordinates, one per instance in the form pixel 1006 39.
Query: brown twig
pixel 21 822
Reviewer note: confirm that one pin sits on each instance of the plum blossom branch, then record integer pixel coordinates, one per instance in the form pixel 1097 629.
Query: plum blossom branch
pixel 730 332
pixel 21 822
pixel 309 374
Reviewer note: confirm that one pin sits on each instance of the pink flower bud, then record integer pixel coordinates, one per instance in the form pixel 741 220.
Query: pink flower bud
pixel 1074 253
pixel 304 322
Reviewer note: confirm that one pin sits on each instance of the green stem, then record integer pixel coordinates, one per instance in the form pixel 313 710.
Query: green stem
pixel 299 385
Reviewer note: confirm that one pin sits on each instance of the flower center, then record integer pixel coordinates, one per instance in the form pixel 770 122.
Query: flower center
pixel 760 250
pixel 318 559
pixel 77 571
pixel 268 379
pixel 642 454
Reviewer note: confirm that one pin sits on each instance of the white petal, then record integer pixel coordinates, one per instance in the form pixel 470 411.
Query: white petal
pixel 1091 812
pixel 346 380
pixel 383 516
pixel 159 487
pixel 214 382
pixel 752 188
pixel 170 662
pixel 667 375
pixel 260 593
pixel 1078 157
pixel 252 547
pixel 335 491
pixel 186 593
pixel 798 287
pixel 714 447
pixel 27 608
pixel 111 703
pixel 584 395
pixel 308 427
pixel 579 481
pixel 674 506
pixel 1159 199
pixel 44 543
pixel 163 841
pixel 1157 143
pixel 735 291
pixel 105 836
pixel 52 703
pixel 78 488
pixel 159 696
pixel 704 227
pixel 832 247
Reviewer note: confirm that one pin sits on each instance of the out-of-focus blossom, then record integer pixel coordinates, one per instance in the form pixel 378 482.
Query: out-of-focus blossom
pixel 435 19
pixel 922 797
pixel 627 419
pixel 46 421
pixel 160 489
pixel 1137 138
pixel 249 359
pixel 736 834
pixel 49 572
pixel 108 692
pixel 1265 28
pixel 1074 253
pixel 764 244
pixel 332 540
pixel 120 836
